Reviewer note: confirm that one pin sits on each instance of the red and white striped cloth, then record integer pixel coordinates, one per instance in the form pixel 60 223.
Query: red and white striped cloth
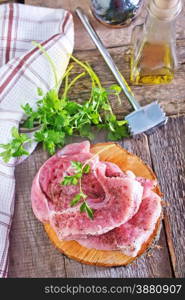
pixel 24 68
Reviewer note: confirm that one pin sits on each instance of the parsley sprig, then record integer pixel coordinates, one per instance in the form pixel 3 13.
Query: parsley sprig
pixel 80 170
pixel 57 117
pixel 60 118
pixel 16 147
pixel 76 179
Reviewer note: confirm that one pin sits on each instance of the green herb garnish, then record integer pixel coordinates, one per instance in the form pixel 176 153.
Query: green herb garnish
pixel 58 118
pixel 16 147
pixel 79 170
pixel 75 179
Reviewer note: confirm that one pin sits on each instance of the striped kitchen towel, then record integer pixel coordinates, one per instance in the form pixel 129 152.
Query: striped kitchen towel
pixel 24 68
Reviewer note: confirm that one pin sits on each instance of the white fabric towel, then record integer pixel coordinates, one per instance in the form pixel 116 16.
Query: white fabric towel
pixel 24 68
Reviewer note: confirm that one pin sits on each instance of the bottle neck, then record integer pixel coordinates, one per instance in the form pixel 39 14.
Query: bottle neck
pixel 165 10
pixel 158 31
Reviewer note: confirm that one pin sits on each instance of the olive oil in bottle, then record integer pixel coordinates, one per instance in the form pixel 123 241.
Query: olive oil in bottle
pixel 153 56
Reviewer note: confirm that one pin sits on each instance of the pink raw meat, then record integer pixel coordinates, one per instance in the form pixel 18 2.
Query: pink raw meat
pixel 122 197
pixel 130 236
pixel 125 207
pixel 114 196
pixel 45 187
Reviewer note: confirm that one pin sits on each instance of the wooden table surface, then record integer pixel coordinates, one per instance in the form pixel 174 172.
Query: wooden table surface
pixel 31 253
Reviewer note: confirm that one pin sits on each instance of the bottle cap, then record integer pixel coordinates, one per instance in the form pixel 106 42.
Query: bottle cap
pixel 165 10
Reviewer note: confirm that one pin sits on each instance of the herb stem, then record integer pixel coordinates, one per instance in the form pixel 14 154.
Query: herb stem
pixel 70 67
pixel 119 99
pixel 77 179
pixel 66 86
pixel 93 76
pixel 49 60
pixel 80 185
pixel 73 82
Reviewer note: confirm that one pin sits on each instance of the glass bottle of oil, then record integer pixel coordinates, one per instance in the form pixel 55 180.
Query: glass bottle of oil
pixel 153 56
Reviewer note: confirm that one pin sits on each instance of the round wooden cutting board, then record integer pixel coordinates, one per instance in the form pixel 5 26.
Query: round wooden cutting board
pixel 126 161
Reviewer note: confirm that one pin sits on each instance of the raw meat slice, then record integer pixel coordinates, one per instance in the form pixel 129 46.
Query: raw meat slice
pixel 134 236
pixel 113 195
pixel 46 188
pixel 121 201
pixel 130 236
pixel 147 184
pixel 75 148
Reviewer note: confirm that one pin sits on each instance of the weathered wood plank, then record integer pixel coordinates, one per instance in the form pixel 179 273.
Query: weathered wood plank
pixel 167 146
pixel 32 254
pixel 8 1
pixel 171 96
pixel 111 37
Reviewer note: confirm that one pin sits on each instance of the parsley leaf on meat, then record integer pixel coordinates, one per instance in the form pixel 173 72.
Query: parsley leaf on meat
pixel 79 170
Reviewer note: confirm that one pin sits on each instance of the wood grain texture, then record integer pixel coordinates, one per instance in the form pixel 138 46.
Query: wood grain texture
pixel 33 255
pixel 171 96
pixel 8 1
pixel 111 37
pixel 167 146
